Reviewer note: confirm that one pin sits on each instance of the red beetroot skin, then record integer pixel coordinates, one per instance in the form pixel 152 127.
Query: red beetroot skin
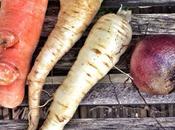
pixel 153 64
pixel 20 27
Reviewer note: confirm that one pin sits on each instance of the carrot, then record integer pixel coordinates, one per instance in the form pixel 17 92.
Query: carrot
pixel 73 19
pixel 106 42
pixel 20 27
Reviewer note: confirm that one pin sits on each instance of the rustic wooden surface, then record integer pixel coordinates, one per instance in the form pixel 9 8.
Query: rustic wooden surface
pixel 141 24
pixel 105 94
pixel 102 111
pixel 115 78
pixel 103 124
pixel 116 3
pixel 150 17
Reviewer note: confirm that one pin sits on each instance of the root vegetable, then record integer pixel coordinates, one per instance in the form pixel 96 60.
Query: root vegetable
pixel 106 42
pixel 73 19
pixel 153 64
pixel 20 27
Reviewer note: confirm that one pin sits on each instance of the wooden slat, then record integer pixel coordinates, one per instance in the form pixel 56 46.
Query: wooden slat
pixel 13 125
pixel 117 3
pixel 115 78
pixel 104 93
pixel 121 124
pixel 114 3
pixel 141 24
pixel 153 24
pixel 102 124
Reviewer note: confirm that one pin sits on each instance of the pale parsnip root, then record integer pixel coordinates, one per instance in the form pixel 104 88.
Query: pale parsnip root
pixel 73 18
pixel 107 41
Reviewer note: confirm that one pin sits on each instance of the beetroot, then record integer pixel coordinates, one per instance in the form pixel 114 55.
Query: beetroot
pixel 153 64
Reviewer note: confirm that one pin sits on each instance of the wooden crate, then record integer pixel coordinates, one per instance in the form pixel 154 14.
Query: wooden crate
pixel 114 103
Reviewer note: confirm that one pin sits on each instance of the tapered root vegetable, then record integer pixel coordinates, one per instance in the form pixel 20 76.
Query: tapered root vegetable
pixel 73 19
pixel 20 27
pixel 107 41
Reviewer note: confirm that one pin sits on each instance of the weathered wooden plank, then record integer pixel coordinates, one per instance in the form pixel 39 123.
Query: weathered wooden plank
pixel 115 78
pixel 53 9
pixel 141 24
pixel 117 3
pixel 104 94
pixel 121 124
pixel 107 94
pixel 101 124
pixel 153 24
pixel 13 125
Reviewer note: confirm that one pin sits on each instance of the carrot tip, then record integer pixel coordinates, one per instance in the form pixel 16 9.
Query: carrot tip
pixel 8 73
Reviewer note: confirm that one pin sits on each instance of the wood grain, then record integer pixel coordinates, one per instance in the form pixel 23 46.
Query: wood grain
pixel 117 3
pixel 106 93
pixel 102 124
pixel 141 24
pixel 115 78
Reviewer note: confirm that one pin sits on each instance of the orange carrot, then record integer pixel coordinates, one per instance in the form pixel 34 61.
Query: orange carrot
pixel 20 26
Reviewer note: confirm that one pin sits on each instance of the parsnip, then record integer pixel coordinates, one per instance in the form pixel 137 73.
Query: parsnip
pixel 73 18
pixel 107 41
